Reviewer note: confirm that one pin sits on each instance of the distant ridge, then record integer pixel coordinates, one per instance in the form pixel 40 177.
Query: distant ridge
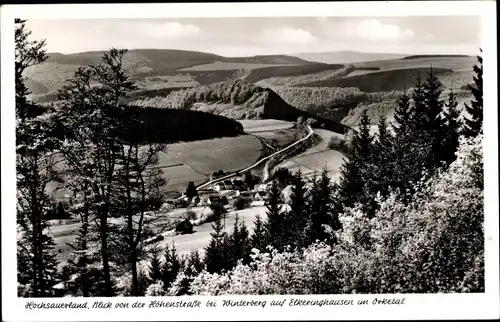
pixel 347 57
pixel 433 56
pixel 174 56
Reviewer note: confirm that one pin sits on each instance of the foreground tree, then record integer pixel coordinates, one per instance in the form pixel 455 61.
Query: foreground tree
pixel 138 182
pixel 171 266
pixel 258 237
pixel 296 217
pixel 90 127
pixel 37 266
pixel 355 184
pixel 453 127
pixel 216 253
pixel 474 123
pixel 239 243
pixel 320 211
pixel 276 224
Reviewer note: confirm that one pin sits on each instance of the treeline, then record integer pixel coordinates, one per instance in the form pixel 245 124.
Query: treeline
pixel 159 125
pixel 236 92
pixel 258 74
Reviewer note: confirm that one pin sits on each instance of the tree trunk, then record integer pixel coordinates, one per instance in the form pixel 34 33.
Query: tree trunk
pixel 108 290
pixel 135 279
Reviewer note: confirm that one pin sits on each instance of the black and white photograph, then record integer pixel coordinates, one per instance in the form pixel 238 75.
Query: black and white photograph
pixel 230 156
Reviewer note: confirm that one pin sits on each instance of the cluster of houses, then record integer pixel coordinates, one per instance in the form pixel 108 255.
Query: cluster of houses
pixel 223 192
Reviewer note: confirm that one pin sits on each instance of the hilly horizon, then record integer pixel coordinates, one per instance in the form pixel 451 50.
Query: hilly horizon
pixel 350 57
pixel 151 54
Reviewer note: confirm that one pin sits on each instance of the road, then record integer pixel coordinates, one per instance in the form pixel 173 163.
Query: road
pixel 317 157
pixel 311 132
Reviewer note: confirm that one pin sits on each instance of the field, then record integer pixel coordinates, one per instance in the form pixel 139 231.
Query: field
pixel 219 65
pixel 317 157
pixel 207 156
pixel 178 177
pixel 251 126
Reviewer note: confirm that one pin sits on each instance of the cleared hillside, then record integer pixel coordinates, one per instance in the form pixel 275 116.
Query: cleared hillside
pixel 381 81
pixel 258 74
pixel 419 61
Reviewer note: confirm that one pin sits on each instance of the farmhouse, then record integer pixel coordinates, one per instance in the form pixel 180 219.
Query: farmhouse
pixel 219 186
pixel 213 200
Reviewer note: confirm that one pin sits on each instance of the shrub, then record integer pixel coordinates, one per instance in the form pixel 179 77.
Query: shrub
pixel 241 203
pixel 190 215
pixel 339 144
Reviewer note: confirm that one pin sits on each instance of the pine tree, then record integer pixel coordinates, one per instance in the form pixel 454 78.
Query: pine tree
pixel 37 271
pixel 453 126
pixel 216 253
pixel 320 210
pixel 155 267
pixel 275 225
pixel 356 181
pixel 171 266
pixel 258 237
pixel 474 123
pixel 239 243
pixel 383 156
pixel 193 265
pixel 296 217
pixel 403 115
pixel 435 126
pixel 419 119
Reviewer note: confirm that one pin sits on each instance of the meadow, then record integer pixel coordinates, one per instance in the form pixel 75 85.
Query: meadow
pixel 208 156
pixel 251 126
pixel 318 157
pixel 179 176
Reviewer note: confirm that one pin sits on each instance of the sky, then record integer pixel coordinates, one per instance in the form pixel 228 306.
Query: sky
pixel 260 36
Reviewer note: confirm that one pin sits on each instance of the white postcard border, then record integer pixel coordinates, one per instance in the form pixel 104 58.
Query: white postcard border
pixel 436 306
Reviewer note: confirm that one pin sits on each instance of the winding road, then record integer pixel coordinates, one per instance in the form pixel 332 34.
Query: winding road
pixel 311 132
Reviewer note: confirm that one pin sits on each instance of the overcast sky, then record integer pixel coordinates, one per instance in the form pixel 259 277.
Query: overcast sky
pixel 260 36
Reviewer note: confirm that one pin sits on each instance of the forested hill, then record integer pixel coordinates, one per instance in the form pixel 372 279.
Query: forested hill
pixel 236 99
pixel 171 58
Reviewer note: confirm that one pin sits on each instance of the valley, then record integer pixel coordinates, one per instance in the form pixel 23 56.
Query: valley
pixel 225 117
